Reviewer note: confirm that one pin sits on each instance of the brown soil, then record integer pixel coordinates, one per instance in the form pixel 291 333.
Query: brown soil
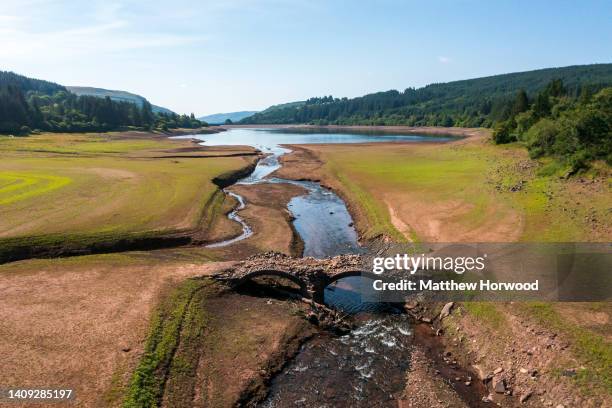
pixel 266 213
pixel 248 340
pixel 221 227
pixel 504 347
pixel 135 134
pixel 80 323
pixel 432 222
pixel 301 163
pixel 592 316
pixel 197 151
pixel 437 222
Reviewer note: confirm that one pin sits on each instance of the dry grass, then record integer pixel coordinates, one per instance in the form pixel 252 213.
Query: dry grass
pixel 65 323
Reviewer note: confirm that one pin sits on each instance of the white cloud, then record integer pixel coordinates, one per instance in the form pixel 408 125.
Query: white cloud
pixel 444 60
pixel 100 29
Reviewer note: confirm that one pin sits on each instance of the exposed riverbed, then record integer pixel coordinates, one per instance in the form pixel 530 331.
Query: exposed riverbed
pixel 367 366
pixel 321 217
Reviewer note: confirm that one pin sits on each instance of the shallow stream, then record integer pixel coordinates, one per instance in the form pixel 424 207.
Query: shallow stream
pixel 367 366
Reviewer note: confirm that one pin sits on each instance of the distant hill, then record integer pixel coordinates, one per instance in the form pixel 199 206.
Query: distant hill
pixel 29 104
pixel 26 84
pixel 119 96
pixel 470 103
pixel 283 106
pixel 220 118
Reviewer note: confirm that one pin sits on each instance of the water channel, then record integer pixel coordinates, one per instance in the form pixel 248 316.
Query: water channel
pixel 367 366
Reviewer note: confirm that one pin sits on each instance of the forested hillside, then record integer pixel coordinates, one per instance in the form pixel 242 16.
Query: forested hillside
pixel 119 96
pixel 28 104
pixel 480 102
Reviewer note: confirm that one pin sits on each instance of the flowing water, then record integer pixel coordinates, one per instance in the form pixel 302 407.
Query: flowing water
pixel 321 217
pixel 367 366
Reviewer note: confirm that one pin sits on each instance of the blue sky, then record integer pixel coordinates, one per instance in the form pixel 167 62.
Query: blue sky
pixel 227 55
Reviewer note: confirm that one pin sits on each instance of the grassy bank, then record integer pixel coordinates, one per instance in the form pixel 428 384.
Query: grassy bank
pixel 82 321
pixel 80 189
pixel 200 337
pixel 474 191
pixel 180 320
pixel 466 191
pixel 593 349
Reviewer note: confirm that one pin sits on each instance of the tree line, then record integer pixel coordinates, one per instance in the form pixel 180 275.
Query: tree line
pixel 560 112
pixel 480 102
pixel 28 105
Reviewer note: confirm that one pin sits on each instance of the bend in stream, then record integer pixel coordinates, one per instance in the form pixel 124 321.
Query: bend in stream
pixel 321 217
pixel 367 366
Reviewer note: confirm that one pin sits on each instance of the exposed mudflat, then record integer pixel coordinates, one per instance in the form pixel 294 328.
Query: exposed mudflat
pixel 266 212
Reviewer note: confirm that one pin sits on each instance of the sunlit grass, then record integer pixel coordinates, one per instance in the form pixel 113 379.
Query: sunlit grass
pixel 479 177
pixel 20 186
pixel 440 175
pixel 110 189
pixel 77 143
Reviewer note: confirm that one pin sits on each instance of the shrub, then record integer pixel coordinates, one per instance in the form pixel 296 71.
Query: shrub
pixel 504 133
pixel 541 137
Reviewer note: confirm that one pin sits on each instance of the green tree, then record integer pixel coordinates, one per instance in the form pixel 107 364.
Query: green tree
pixel 521 103
pixel 504 132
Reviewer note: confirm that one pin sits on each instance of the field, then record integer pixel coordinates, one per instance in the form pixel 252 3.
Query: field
pixel 109 326
pixel 71 188
pixel 468 191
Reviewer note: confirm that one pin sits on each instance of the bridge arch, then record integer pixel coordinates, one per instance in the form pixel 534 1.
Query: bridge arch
pixel 282 274
pixel 346 274
pixel 319 287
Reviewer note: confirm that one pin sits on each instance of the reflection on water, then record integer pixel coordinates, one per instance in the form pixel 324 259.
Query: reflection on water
pixel 322 221
pixel 265 166
pixel 346 295
pixel 266 139
pixel 321 217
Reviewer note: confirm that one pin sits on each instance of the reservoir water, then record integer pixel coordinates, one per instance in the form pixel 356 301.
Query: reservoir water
pixel 321 217
pixel 367 366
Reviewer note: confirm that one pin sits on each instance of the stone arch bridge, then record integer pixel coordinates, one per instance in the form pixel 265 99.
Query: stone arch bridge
pixel 310 274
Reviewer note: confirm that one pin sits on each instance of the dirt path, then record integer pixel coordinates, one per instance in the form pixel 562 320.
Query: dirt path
pixel 425 388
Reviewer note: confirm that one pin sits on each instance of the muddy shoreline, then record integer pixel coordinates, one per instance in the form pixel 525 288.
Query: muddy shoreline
pixel 428 130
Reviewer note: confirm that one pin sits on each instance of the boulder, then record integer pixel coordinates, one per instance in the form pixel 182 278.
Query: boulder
pixel 499 386
pixel 446 310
